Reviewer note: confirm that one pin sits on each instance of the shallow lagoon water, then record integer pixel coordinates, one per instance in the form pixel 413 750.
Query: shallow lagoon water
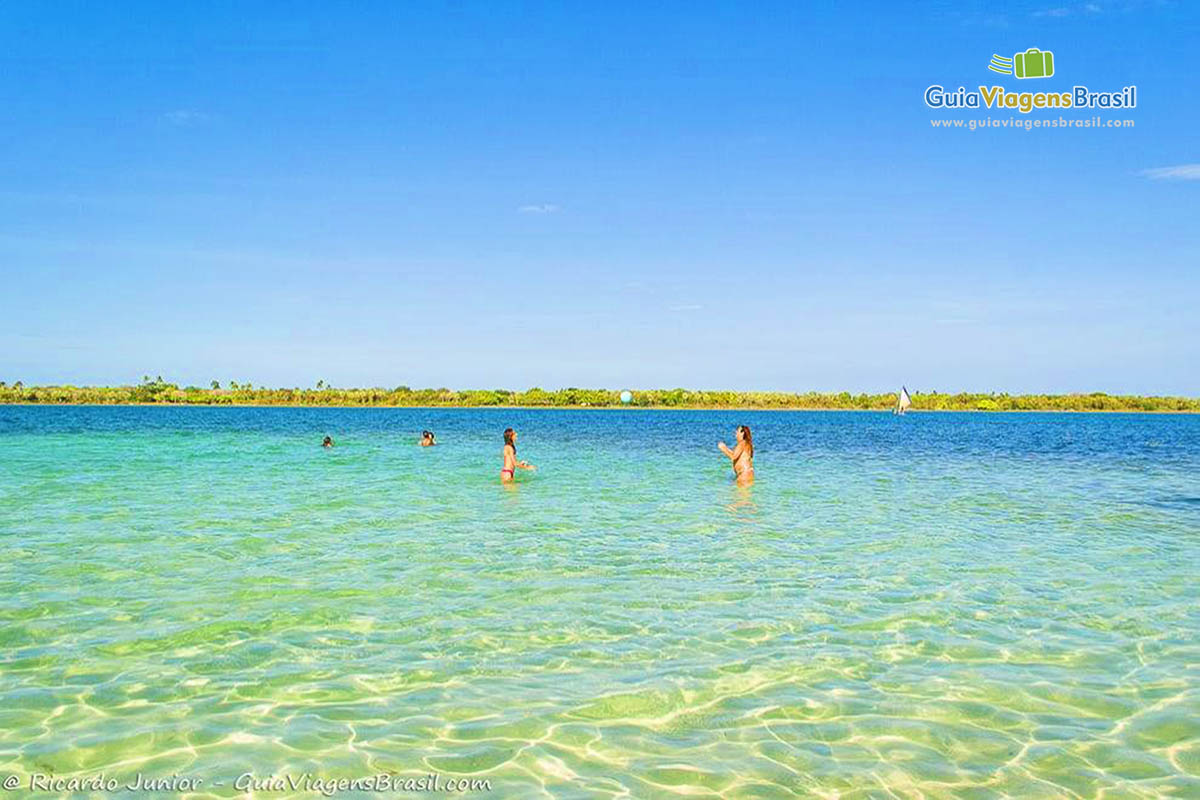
pixel 946 605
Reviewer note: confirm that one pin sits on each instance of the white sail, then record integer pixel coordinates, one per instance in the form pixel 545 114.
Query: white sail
pixel 903 403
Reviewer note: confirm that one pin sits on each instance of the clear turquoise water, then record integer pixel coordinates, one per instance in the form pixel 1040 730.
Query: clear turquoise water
pixel 951 605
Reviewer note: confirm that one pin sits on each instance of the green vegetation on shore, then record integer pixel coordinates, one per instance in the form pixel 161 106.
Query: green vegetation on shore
pixel 160 392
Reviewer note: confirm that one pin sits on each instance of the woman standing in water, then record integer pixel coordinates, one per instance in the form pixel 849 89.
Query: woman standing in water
pixel 508 471
pixel 742 455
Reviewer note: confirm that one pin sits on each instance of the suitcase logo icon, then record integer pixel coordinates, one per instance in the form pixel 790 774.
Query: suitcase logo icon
pixel 1033 63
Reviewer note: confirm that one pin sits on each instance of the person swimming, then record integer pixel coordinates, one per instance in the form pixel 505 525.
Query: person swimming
pixel 742 455
pixel 327 443
pixel 427 439
pixel 508 470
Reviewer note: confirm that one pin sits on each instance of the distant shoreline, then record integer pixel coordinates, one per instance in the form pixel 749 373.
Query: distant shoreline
pixel 162 393
pixel 789 409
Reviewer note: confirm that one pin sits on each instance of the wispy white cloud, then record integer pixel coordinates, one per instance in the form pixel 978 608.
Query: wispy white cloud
pixel 976 19
pixel 185 117
pixel 542 208
pixel 1179 172
pixel 1067 11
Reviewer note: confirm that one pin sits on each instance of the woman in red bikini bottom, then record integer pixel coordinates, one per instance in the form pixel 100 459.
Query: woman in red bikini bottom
pixel 508 471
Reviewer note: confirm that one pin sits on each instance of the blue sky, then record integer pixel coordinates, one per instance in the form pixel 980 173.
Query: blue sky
pixel 501 194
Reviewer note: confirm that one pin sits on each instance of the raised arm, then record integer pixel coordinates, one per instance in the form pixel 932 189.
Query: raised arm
pixel 733 454
pixel 518 463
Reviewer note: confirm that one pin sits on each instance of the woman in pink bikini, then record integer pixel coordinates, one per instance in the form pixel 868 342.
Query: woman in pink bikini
pixel 742 455
pixel 508 471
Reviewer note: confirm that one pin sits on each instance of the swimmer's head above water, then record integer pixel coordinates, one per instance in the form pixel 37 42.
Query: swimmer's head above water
pixel 328 442
pixel 427 439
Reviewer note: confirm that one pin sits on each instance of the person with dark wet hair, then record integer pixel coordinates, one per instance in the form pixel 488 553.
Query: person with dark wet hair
pixel 511 464
pixel 742 455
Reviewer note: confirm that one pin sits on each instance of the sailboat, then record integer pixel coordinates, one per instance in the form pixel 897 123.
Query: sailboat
pixel 903 402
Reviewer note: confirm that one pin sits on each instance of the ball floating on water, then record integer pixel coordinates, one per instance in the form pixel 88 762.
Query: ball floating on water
pixel 626 397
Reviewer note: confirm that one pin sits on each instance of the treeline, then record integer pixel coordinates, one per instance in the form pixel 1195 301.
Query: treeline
pixel 161 392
